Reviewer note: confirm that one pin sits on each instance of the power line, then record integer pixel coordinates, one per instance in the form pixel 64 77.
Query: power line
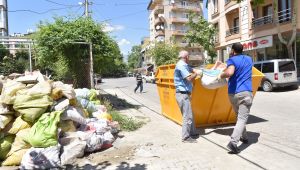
pixel 67 5
pixel 40 13
pixel 126 15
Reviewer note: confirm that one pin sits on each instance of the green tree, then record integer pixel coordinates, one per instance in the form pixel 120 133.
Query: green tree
pixel 57 52
pixel 12 65
pixel 134 57
pixel 3 52
pixel 164 53
pixel 202 33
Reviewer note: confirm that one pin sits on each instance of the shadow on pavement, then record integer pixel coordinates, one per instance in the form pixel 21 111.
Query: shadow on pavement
pixel 252 136
pixel 106 164
pixel 117 103
pixel 254 119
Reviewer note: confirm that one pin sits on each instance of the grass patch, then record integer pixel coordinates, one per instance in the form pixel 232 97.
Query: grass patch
pixel 126 123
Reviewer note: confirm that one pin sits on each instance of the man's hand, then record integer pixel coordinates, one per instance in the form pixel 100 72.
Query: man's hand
pixel 219 76
pixel 199 73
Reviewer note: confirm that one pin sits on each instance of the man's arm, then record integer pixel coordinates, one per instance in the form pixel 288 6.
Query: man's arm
pixel 228 72
pixel 191 77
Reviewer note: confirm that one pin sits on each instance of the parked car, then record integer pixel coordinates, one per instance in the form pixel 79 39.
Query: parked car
pixel 278 73
pixel 97 79
pixel 130 74
pixel 150 77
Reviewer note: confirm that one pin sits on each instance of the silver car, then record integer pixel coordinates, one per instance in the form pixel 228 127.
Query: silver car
pixel 278 73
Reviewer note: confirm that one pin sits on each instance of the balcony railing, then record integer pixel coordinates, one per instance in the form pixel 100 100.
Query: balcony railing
pixel 232 31
pixel 262 21
pixel 216 38
pixel 179 32
pixel 283 16
pixel 186 7
pixel 181 20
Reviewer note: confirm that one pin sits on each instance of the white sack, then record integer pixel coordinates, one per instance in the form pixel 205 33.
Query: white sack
pixel 41 158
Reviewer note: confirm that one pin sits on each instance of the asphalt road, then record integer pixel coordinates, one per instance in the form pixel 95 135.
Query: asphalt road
pixel 275 127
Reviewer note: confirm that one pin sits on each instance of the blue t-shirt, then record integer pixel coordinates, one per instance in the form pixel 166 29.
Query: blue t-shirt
pixel 241 80
pixel 182 71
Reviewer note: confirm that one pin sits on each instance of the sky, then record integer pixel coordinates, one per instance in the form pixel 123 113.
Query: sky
pixel 126 20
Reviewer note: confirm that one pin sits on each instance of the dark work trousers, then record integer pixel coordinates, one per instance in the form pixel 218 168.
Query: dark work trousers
pixel 139 85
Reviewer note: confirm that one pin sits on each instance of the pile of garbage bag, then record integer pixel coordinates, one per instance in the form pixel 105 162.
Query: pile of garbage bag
pixel 46 124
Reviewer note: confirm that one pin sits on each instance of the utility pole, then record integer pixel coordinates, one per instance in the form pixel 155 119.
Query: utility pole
pixel 86 11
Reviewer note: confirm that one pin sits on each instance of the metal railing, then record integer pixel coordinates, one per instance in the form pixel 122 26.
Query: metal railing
pixel 262 21
pixel 189 7
pixel 232 31
pixel 216 38
pixel 283 16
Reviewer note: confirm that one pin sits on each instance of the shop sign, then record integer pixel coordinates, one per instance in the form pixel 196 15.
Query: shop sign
pixel 258 43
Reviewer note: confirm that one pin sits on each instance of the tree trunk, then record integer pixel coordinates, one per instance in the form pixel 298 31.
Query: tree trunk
pixel 294 27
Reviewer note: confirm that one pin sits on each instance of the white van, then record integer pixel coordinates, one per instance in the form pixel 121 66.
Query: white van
pixel 278 73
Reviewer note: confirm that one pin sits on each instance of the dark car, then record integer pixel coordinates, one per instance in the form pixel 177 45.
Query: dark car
pixel 97 79
pixel 130 74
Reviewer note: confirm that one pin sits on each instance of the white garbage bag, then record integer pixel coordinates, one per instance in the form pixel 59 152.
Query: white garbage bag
pixel 75 114
pixel 210 80
pixel 73 147
pixel 41 158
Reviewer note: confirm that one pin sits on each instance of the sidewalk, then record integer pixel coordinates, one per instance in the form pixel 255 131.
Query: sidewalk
pixel 157 145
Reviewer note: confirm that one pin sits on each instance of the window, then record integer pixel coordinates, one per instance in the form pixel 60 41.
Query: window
pixel 236 25
pixel 215 6
pixel 284 10
pixel 286 66
pixel 258 66
pixel 1 19
pixel 184 3
pixel 268 67
pixel 267 10
pixel 185 15
pixel 236 22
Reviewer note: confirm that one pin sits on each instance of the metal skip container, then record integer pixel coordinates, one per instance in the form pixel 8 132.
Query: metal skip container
pixel 210 106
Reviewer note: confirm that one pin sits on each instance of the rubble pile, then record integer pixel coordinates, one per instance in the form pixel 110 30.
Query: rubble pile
pixel 46 124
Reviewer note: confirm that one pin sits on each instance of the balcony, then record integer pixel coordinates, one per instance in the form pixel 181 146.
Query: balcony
pixel 283 16
pixel 179 32
pixel 158 9
pixel 262 21
pixel 159 33
pixel 179 20
pixel 230 3
pixel 194 8
pixel 158 20
pixel 232 31
pixel 217 38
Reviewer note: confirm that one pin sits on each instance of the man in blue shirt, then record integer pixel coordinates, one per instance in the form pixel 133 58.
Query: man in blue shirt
pixel 184 75
pixel 239 72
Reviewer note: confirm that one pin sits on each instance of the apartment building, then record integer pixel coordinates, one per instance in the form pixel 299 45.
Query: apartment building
pixel 168 23
pixel 3 18
pixel 255 27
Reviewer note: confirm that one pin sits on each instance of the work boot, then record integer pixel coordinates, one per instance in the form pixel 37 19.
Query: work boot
pixel 233 148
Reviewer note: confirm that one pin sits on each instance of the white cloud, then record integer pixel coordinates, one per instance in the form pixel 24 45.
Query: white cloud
pixel 112 28
pixel 123 42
